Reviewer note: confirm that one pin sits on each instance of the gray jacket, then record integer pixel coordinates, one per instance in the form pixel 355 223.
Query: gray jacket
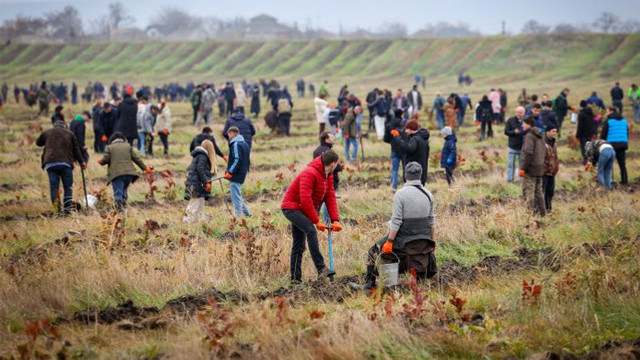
pixel 208 98
pixel 147 122
pixel 412 215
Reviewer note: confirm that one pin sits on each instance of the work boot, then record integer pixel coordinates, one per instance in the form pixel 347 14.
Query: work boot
pixel 325 273
pixel 369 280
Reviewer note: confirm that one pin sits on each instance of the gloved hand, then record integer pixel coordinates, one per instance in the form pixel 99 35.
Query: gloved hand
pixel 387 248
pixel 521 173
pixel 335 226
pixel 99 161
pixel 225 159
pixel 166 132
pixel 104 138
pixel 395 133
pixel 148 170
pixel 227 176
pixel 587 167
pixel 476 123
pixel 320 226
pixel 84 165
pixel 346 136
pixel 208 187
pixel 449 160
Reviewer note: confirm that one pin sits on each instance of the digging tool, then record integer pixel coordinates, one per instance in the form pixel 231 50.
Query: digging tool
pixel 332 272
pixel 84 186
pixel 361 146
pixel 224 199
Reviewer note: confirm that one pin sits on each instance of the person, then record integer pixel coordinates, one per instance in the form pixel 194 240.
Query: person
pixel 44 98
pixel 415 100
pixel 484 116
pixel 548 114
pixel 78 128
pixel 534 100
pixel 312 187
pixel 394 123
pixel 237 168
pixel 561 108
pixel 449 110
pixel 229 97
pixel 327 140
pixel 616 97
pixel 532 166
pixel 503 105
pixel 283 109
pixel 324 88
pixel 143 108
pixel 596 101
pixel 586 129
pixel 58 115
pixel 411 234
pixel 371 97
pixel 206 135
pixel 600 152
pixel 350 133
pixel 634 99
pixel 241 98
pixel 16 93
pixel 207 99
pixel 163 125
pixel 255 100
pixel 616 132
pixel 127 123
pixel 381 113
pixel 536 112
pixel 197 187
pixel 320 104
pixel 438 103
pixel 120 156
pixel 195 98
pixel 466 102
pixel 523 98
pixel 146 129
pixel 494 97
pixel 108 119
pixel 400 102
pixel 74 93
pixel 98 145
pixel 414 143
pixel 514 130
pixel 551 166
pixel 5 92
pixel 60 152
pixel 243 123
pixel 449 156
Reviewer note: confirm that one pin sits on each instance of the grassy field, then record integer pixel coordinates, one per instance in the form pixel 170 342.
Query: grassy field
pixel 162 289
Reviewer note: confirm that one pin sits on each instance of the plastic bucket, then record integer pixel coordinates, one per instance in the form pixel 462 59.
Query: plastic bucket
pixel 91 202
pixel 388 272
pixel 574 118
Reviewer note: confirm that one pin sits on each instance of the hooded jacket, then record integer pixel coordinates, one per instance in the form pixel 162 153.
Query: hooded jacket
pixel 449 152
pixel 108 122
pixel 309 190
pixel 533 153
pixel 586 125
pixel 127 118
pixel 484 111
pixel 243 124
pixel 319 151
pixel 199 175
pixel 120 156
pixel 238 164
pixel 78 128
pixel 60 145
pixel 416 148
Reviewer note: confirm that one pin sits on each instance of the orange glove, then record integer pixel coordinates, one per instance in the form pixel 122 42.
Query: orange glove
pixel 587 167
pixel 337 130
pixel 521 173
pixel 476 123
pixel 208 187
pixel 335 226
pixel 387 248
pixel 225 159
pixel 346 136
pixel 84 165
pixel 320 226
pixel 104 138
pixel 99 161
pixel 395 133
pixel 148 170
pixel 227 176
pixel 166 132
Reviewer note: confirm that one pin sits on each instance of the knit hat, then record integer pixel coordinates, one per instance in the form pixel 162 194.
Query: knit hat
pixel 551 126
pixel 412 171
pixel 412 125
pixel 530 120
pixel 446 131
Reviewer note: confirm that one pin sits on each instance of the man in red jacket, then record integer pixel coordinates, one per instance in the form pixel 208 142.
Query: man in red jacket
pixel 312 187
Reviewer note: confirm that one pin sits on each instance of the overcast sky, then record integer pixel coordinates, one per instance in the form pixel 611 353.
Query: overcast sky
pixel 483 16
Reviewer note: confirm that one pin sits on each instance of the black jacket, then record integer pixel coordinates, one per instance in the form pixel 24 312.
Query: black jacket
pixel 243 124
pixel 78 129
pixel 617 93
pixel 95 118
pixel 198 139
pixel 586 126
pixel 549 117
pixel 319 151
pixel 127 115
pixel 198 176
pixel 561 107
pixel 515 140
pixel 484 111
pixel 108 122
pixel 416 148
pixel 391 123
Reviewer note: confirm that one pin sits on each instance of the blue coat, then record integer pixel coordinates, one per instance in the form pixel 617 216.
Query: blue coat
pixel 243 124
pixel 238 164
pixel 449 157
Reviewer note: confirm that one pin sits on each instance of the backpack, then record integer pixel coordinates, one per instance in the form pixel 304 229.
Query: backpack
pixel 334 117
pixel 284 107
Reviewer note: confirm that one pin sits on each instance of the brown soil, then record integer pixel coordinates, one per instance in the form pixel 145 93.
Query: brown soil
pixel 623 349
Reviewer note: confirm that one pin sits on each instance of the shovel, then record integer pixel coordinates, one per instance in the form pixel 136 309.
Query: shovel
pixel 84 186
pixel 332 271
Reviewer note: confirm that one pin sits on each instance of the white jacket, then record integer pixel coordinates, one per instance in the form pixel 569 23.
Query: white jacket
pixel 320 106
pixel 163 120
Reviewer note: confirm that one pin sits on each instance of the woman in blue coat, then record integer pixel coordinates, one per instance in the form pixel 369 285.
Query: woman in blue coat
pixel 449 156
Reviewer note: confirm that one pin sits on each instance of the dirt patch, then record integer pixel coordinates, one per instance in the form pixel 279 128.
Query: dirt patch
pixel 319 290
pixel 190 304
pixel 110 315
pixel 623 349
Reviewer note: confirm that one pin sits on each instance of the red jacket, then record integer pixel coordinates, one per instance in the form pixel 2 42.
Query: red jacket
pixel 309 190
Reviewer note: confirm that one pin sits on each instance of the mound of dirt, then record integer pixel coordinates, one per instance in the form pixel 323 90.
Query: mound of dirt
pixel 322 290
pixel 190 304
pixel 110 315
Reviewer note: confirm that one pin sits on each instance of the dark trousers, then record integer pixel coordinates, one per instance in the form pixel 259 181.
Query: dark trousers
pixel 548 188
pixel 64 173
pixel 618 104
pixel 131 140
pixel 98 145
pixel 221 108
pixel 120 187
pixel 622 163
pixel 487 126
pixel 229 107
pixel 583 142
pixel 302 229
pixel 195 113
pixel 165 142
pixel 371 122
pixel 284 124
pixel 148 144
pixel 449 175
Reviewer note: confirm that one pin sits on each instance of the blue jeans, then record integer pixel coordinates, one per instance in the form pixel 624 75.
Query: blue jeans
pixel 347 143
pixel 141 146
pixel 238 201
pixel 440 117
pixel 395 167
pixel 460 117
pixel 56 173
pixel 120 186
pixel 511 163
pixel 636 114
pixel 359 123
pixel 605 167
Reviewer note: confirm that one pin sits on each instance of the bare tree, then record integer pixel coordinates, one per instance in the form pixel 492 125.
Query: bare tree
pixel 565 28
pixel 66 24
pixel 171 19
pixel 627 27
pixel 532 27
pixel 394 30
pixel 606 22
pixel 23 25
pixel 118 15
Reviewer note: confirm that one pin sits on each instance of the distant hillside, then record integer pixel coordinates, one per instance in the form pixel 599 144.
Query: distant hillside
pixel 557 57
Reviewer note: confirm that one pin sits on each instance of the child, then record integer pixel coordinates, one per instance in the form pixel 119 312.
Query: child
pixel 121 173
pixel 449 157
pixel 237 168
pixel 198 185
pixel 602 153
